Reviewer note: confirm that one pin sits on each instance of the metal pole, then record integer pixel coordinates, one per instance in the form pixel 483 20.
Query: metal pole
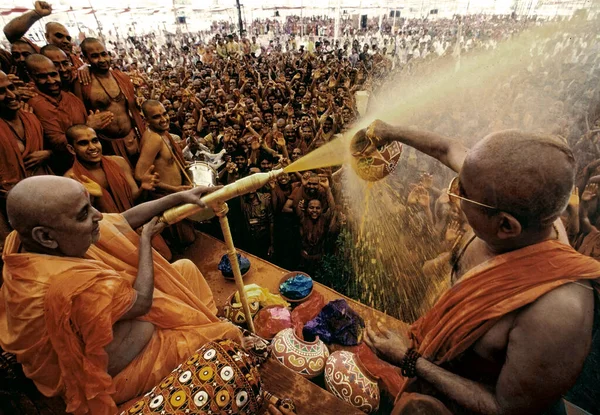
pixel 240 23
pixel 221 212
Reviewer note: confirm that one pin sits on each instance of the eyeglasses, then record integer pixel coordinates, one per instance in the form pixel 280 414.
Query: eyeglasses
pixel 454 189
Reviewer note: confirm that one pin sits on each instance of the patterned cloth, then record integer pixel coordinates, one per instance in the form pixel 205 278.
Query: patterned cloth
pixel 220 378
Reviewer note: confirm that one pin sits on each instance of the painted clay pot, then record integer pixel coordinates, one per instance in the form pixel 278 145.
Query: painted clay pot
pixel 305 358
pixel 377 164
pixel 235 312
pixel 346 378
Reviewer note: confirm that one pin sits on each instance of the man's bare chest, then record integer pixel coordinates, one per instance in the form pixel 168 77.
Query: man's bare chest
pixel 105 92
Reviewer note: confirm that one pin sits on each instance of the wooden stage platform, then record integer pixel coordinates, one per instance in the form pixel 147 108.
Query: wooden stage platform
pixel 310 399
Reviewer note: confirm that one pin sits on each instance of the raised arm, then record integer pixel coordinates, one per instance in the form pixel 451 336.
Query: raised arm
pixel 449 151
pixel 17 27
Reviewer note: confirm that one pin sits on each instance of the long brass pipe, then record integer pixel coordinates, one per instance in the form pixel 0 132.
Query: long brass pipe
pixel 238 188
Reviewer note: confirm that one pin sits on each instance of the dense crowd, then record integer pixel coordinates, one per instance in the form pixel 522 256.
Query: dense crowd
pixel 133 118
pixel 240 104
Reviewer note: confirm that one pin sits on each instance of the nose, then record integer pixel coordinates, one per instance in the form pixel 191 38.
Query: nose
pixel 96 215
pixel 10 94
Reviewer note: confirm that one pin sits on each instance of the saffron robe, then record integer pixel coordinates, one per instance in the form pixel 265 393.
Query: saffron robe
pixel 491 290
pixel 12 168
pixel 57 314
pixel 118 198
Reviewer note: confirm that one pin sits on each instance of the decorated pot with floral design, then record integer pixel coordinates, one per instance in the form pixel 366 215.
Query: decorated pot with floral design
pixel 349 380
pixel 305 358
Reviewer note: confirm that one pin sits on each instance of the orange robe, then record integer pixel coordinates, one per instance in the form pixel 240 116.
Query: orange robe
pixel 491 290
pixel 118 197
pixel 126 86
pixel 56 117
pixel 57 313
pixel 12 168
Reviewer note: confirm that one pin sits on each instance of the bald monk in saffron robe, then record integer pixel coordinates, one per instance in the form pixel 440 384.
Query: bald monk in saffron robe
pixel 112 90
pixel 58 110
pixel 22 151
pixel 89 309
pixel 513 332
pixel 108 178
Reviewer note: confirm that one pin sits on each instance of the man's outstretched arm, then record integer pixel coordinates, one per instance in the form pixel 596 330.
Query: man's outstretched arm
pixel 449 151
pixel 17 27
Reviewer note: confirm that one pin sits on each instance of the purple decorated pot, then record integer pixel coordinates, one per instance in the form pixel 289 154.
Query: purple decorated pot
pixel 305 358
pixel 348 379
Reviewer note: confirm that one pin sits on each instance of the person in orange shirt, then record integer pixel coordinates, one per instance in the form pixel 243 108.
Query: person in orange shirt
pixel 108 179
pixel 92 313
pixel 22 151
pixel 522 299
pixel 58 110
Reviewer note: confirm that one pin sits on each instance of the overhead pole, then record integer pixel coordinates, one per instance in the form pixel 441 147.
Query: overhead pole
pixel 240 22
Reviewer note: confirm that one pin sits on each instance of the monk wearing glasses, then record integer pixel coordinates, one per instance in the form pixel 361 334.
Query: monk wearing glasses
pixel 512 333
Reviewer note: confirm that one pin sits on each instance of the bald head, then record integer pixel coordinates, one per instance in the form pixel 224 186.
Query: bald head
pixel 58 35
pixel 44 73
pixel 76 131
pixel 36 61
pixel 53 215
pixel 527 175
pixel 87 43
pixel 148 105
pixel 39 200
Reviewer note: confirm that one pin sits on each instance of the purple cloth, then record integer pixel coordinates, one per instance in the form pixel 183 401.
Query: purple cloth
pixel 336 323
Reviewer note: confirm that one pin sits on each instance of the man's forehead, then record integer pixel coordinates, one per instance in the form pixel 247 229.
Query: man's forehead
pixel 156 109
pixel 44 67
pixel 85 135
pixel 95 47
pixel 56 55
pixel 21 47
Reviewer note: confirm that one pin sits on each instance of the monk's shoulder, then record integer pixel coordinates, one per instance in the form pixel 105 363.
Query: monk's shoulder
pixel 69 173
pixel 566 310
pixel 119 160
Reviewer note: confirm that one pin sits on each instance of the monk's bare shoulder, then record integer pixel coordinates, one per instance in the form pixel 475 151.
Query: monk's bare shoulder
pixel 547 347
pixel 120 161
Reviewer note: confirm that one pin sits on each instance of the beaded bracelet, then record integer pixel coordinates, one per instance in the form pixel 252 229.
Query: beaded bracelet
pixel 409 363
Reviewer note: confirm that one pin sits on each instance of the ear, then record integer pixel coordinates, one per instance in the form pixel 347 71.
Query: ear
pixel 508 226
pixel 71 149
pixel 42 236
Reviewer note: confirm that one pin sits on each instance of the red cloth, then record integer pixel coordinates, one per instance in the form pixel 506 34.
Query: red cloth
pixel 491 290
pixel 57 116
pixel 120 197
pixel 306 311
pixel 12 169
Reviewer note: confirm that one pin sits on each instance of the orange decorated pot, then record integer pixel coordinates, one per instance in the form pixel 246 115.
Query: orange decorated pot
pixel 349 380
pixel 305 358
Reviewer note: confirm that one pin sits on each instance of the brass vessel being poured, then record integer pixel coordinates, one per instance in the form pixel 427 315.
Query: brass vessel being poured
pixel 373 158
pixel 241 187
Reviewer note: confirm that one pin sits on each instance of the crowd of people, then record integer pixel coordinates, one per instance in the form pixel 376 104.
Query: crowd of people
pixel 129 118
